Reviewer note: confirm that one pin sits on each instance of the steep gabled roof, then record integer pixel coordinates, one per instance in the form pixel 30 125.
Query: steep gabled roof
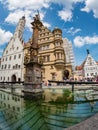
pixel 80 67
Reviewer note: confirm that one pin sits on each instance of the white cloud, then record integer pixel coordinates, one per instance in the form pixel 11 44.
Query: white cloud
pixel 28 8
pixel 80 41
pixel 18 8
pixel 46 24
pixel 4 36
pixel 73 31
pixel 14 17
pixel 65 15
pixel 68 6
pixel 91 5
pixel 29 5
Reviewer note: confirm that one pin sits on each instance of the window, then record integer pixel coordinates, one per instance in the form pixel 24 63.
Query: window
pixel 48 58
pixel 10 58
pixel 13 67
pixel 53 76
pixel 14 57
pixel 16 66
pixel 19 56
pixel 2 66
pixel 5 66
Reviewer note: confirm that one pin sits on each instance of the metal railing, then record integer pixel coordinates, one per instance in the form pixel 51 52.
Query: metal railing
pixel 73 83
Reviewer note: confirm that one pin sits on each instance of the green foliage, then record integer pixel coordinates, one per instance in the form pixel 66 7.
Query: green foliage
pixel 65 99
pixel 66 93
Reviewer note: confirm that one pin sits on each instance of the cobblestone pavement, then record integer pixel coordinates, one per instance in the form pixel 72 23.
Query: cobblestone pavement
pixel 89 124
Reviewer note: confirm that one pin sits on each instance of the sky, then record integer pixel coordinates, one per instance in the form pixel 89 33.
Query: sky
pixel 78 20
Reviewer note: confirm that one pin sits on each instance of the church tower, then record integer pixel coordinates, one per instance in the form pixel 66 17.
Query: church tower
pixel 20 28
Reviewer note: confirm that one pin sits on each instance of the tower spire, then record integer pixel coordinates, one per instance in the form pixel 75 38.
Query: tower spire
pixel 20 27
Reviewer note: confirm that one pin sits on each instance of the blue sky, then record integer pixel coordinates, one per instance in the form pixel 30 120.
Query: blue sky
pixel 78 20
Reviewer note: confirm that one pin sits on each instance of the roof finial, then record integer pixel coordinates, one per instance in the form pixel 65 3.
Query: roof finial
pixel 88 51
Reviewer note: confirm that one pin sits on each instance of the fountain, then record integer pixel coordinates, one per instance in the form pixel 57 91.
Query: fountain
pixel 32 82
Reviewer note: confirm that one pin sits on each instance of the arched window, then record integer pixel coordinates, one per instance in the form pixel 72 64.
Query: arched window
pixel 13 78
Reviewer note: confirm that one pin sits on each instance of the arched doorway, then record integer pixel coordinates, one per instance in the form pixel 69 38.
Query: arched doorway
pixel 13 78
pixel 66 74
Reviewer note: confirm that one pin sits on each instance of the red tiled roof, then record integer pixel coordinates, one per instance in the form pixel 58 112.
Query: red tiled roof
pixel 80 67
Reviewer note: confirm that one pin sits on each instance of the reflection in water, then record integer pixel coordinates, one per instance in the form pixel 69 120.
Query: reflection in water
pixel 19 114
pixel 61 111
pixel 56 111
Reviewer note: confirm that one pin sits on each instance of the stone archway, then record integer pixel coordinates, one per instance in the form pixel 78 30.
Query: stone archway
pixel 66 74
pixel 13 78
